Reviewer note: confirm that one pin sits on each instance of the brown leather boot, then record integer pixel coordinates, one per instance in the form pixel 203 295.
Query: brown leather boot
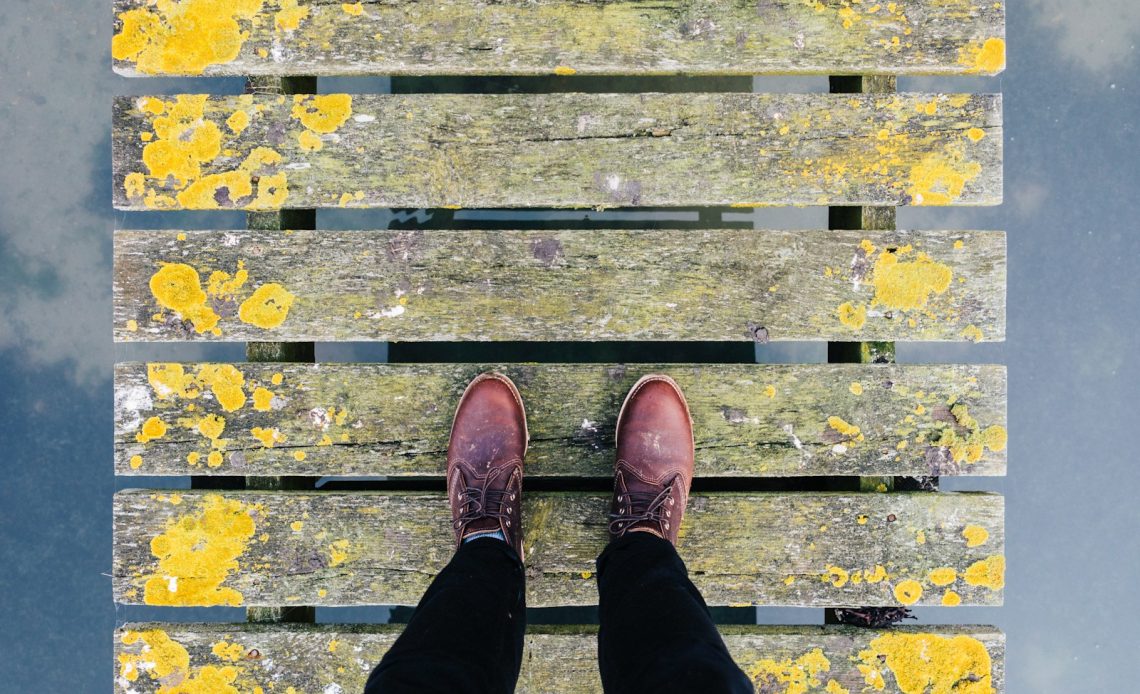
pixel 485 460
pixel 654 460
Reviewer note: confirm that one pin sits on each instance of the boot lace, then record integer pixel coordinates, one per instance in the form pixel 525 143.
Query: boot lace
pixel 636 507
pixel 483 502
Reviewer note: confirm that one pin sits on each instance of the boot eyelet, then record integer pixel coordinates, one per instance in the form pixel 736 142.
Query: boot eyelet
pixel 508 509
pixel 670 501
pixel 508 524
pixel 666 525
pixel 512 497
pixel 668 514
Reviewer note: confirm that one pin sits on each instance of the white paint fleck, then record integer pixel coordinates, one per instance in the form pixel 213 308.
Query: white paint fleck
pixel 839 449
pixel 587 425
pixel 391 312
pixel 613 181
pixel 333 688
pixel 231 240
pixel 298 165
pixel 320 418
pixel 363 118
pixel 790 431
pixel 131 402
pixel 172 584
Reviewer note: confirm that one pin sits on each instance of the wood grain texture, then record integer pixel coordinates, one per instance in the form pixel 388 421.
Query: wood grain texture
pixel 750 420
pixel 544 37
pixel 569 285
pixel 314 548
pixel 556 150
pixel 338 658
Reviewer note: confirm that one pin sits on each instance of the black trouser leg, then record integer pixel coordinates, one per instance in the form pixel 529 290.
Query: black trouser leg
pixel 656 634
pixel 466 635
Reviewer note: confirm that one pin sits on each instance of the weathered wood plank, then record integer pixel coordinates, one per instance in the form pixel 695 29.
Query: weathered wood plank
pixel 545 37
pixel 810 549
pixel 556 150
pixel 338 658
pixel 386 419
pixel 728 284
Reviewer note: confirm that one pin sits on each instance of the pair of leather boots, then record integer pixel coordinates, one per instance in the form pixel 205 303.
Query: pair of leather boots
pixel 652 474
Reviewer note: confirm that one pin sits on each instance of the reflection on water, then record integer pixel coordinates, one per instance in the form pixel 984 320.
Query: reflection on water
pixel 1072 111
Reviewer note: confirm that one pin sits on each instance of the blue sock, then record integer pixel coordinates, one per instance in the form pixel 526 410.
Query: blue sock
pixel 497 534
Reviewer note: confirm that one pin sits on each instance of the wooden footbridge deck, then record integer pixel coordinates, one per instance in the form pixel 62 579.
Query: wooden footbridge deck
pixel 833 467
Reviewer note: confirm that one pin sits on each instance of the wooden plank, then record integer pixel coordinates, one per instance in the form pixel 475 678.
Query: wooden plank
pixel 809 549
pixel 386 419
pixel 339 658
pixel 529 37
pixel 726 284
pixel 556 150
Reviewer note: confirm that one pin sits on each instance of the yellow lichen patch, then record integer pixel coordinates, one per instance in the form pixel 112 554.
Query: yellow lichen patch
pixel 276 379
pixel 928 664
pixel 989 572
pixel 987 58
pixel 225 381
pixel 942 576
pixel 834 687
pixel 856 388
pixel 973 333
pixel 852 316
pixel 902 284
pixel 309 141
pixel 267 437
pixel 322 113
pixel 193 457
pixel 214 459
pixel 951 599
pixel 770 391
pixel 975 134
pixel 941 177
pixel 153 428
pixel 134 185
pixel 211 426
pixel 267 307
pixel 908 592
pixel 262 399
pixel 136 462
pixel 879 574
pixel 297 526
pixel 198 551
pixel 223 285
pixel 176 286
pixel 835 576
pixel 158 655
pixel 920 537
pixel 338 552
pixel 355 9
pixel 186 140
pixel 238 122
pixel 843 427
pixel 289 16
pixel 564 70
pixel 975 535
pixel 796 676
pixel 183 38
pixel 231 652
pixel 208 192
pixel 299 456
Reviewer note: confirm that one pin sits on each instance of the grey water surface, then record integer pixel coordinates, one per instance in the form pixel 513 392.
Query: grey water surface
pixel 1072 107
